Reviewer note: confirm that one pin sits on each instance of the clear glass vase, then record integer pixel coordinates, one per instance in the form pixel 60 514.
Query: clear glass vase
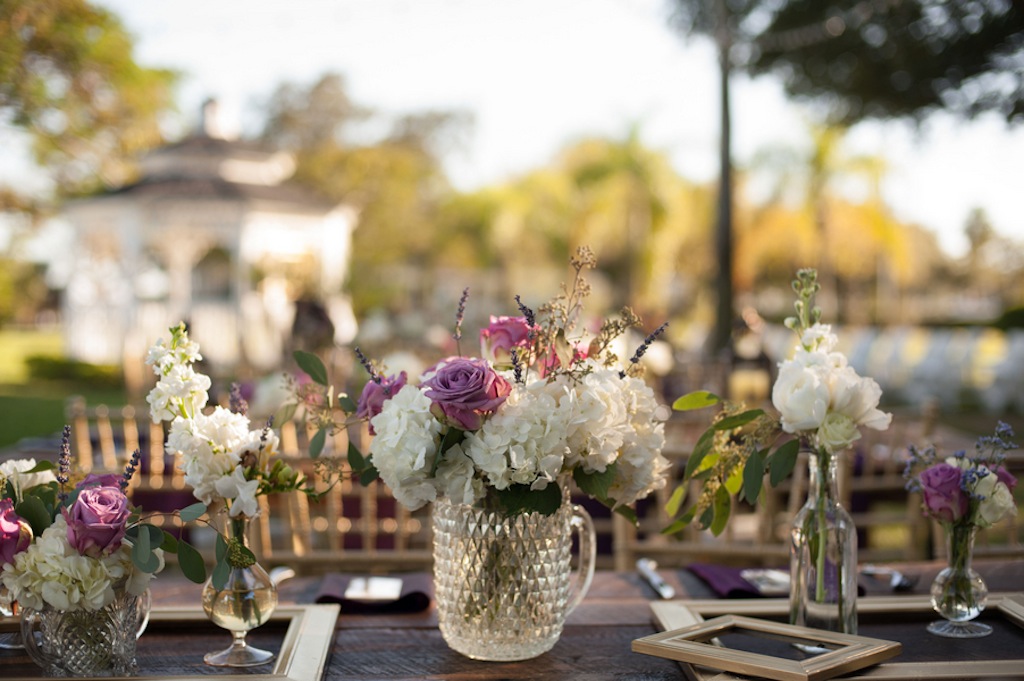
pixel 958 592
pixel 87 642
pixel 245 601
pixel 504 585
pixel 823 553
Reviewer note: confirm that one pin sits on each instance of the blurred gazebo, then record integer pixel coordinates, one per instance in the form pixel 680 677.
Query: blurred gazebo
pixel 211 233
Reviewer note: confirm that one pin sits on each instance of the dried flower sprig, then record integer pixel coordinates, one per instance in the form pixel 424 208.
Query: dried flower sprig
pixel 460 315
pixel 64 464
pixel 237 403
pixel 129 470
pixel 634 361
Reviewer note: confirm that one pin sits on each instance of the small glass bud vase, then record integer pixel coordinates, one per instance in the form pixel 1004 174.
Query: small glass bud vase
pixel 958 592
pixel 245 601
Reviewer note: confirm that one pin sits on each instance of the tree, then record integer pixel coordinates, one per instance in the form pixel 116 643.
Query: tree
pixel 69 79
pixel 886 59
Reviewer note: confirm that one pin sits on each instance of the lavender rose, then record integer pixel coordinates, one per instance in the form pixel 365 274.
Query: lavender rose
pixel 501 336
pixel 943 496
pixel 463 391
pixel 15 534
pixel 96 521
pixel 98 480
pixel 374 395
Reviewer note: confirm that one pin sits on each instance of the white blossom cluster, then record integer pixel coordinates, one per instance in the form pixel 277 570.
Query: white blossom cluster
pixel 543 430
pixel 820 396
pixel 216 447
pixel 51 572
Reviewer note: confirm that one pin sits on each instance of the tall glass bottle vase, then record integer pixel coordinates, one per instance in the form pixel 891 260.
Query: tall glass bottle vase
pixel 244 601
pixel 823 553
pixel 958 592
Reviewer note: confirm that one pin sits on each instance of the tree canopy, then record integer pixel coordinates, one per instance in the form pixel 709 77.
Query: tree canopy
pixel 68 78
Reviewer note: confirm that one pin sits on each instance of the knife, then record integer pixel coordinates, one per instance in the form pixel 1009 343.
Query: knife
pixel 648 570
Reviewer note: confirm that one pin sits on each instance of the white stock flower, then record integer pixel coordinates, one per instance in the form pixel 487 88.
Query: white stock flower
pixel 819 337
pixel 208 446
pixel 801 394
pixel 240 492
pixel 406 441
pixel 180 388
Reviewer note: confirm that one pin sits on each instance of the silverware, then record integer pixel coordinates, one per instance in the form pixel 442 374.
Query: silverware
pixel 648 570
pixel 898 581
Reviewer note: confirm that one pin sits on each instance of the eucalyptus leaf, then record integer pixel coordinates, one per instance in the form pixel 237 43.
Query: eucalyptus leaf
pixel 192 512
pixel 781 463
pixel 317 442
pixel 312 365
pixel 347 404
pixel 696 400
pixel 355 458
pixel 191 563
pixel 221 572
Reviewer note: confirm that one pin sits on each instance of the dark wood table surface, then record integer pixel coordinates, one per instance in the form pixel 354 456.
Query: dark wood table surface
pixel 595 643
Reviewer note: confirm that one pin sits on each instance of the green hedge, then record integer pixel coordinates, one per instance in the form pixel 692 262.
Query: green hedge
pixel 46 368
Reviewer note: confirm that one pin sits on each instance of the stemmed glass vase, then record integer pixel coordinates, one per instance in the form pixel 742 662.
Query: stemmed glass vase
pixel 958 592
pixel 239 601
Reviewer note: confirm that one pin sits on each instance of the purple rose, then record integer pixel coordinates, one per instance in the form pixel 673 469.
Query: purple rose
pixel 1005 477
pixel 96 521
pixel 502 335
pixel 943 496
pixel 465 390
pixel 98 480
pixel 15 534
pixel 374 395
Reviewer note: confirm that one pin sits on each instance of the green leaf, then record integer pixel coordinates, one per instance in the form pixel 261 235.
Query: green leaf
pixel 220 548
pixel 317 442
pixel 706 516
pixel 737 420
pixel 782 461
pixel 369 475
pixel 753 476
pixel 347 404
pixel 192 512
pixel 627 513
pixel 142 551
pixel 517 499
pixel 451 438
pixel 734 483
pixel 169 543
pixel 355 458
pixel 722 508
pixel 191 563
pixel 595 484
pixel 34 512
pixel 44 465
pixel 696 400
pixel 700 450
pixel 682 523
pixel 312 365
pixel 286 413
pixel 675 502
pixel 221 572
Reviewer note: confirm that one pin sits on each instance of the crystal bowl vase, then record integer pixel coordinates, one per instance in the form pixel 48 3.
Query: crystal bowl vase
pixel 958 592
pixel 87 642
pixel 504 584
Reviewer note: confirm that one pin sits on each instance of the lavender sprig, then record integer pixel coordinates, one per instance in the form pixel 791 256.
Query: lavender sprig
pixel 526 312
pixel 517 366
pixel 459 316
pixel 64 464
pixel 642 350
pixel 368 365
pixel 237 403
pixel 129 470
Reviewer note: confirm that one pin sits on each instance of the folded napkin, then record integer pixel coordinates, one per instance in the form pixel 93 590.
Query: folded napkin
pixel 724 580
pixel 414 596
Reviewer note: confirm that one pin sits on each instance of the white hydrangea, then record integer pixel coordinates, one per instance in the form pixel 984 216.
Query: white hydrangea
pixel 641 468
pixel 405 445
pixel 525 441
pixel 457 479
pixel 50 572
pixel 597 426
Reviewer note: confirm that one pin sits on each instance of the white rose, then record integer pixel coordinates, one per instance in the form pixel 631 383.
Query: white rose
pixel 837 432
pixel 858 398
pixel 801 396
pixel 997 500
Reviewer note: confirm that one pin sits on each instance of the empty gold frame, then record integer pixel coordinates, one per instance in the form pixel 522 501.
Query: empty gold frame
pixel 694 644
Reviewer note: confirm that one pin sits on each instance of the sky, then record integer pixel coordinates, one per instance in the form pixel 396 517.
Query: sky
pixel 536 74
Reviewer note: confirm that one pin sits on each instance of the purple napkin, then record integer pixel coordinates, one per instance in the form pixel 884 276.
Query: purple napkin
pixel 415 596
pixel 725 581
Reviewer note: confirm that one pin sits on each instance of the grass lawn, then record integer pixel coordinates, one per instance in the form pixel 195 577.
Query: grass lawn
pixel 37 410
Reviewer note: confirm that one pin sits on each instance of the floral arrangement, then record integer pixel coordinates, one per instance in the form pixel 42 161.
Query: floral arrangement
pixel 821 402
pixel 962 490
pixel 71 548
pixel 545 401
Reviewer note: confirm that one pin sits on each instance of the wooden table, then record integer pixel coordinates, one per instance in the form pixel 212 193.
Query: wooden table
pixel 595 643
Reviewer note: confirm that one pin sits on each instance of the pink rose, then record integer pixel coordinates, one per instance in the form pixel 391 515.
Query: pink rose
pixel 96 521
pixel 501 336
pixel 15 534
pixel 943 496
pixel 374 395
pixel 98 480
pixel 1005 477
pixel 465 390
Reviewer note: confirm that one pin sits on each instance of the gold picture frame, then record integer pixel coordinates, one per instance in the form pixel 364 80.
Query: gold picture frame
pixel 696 644
pixel 304 650
pixel 670 615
